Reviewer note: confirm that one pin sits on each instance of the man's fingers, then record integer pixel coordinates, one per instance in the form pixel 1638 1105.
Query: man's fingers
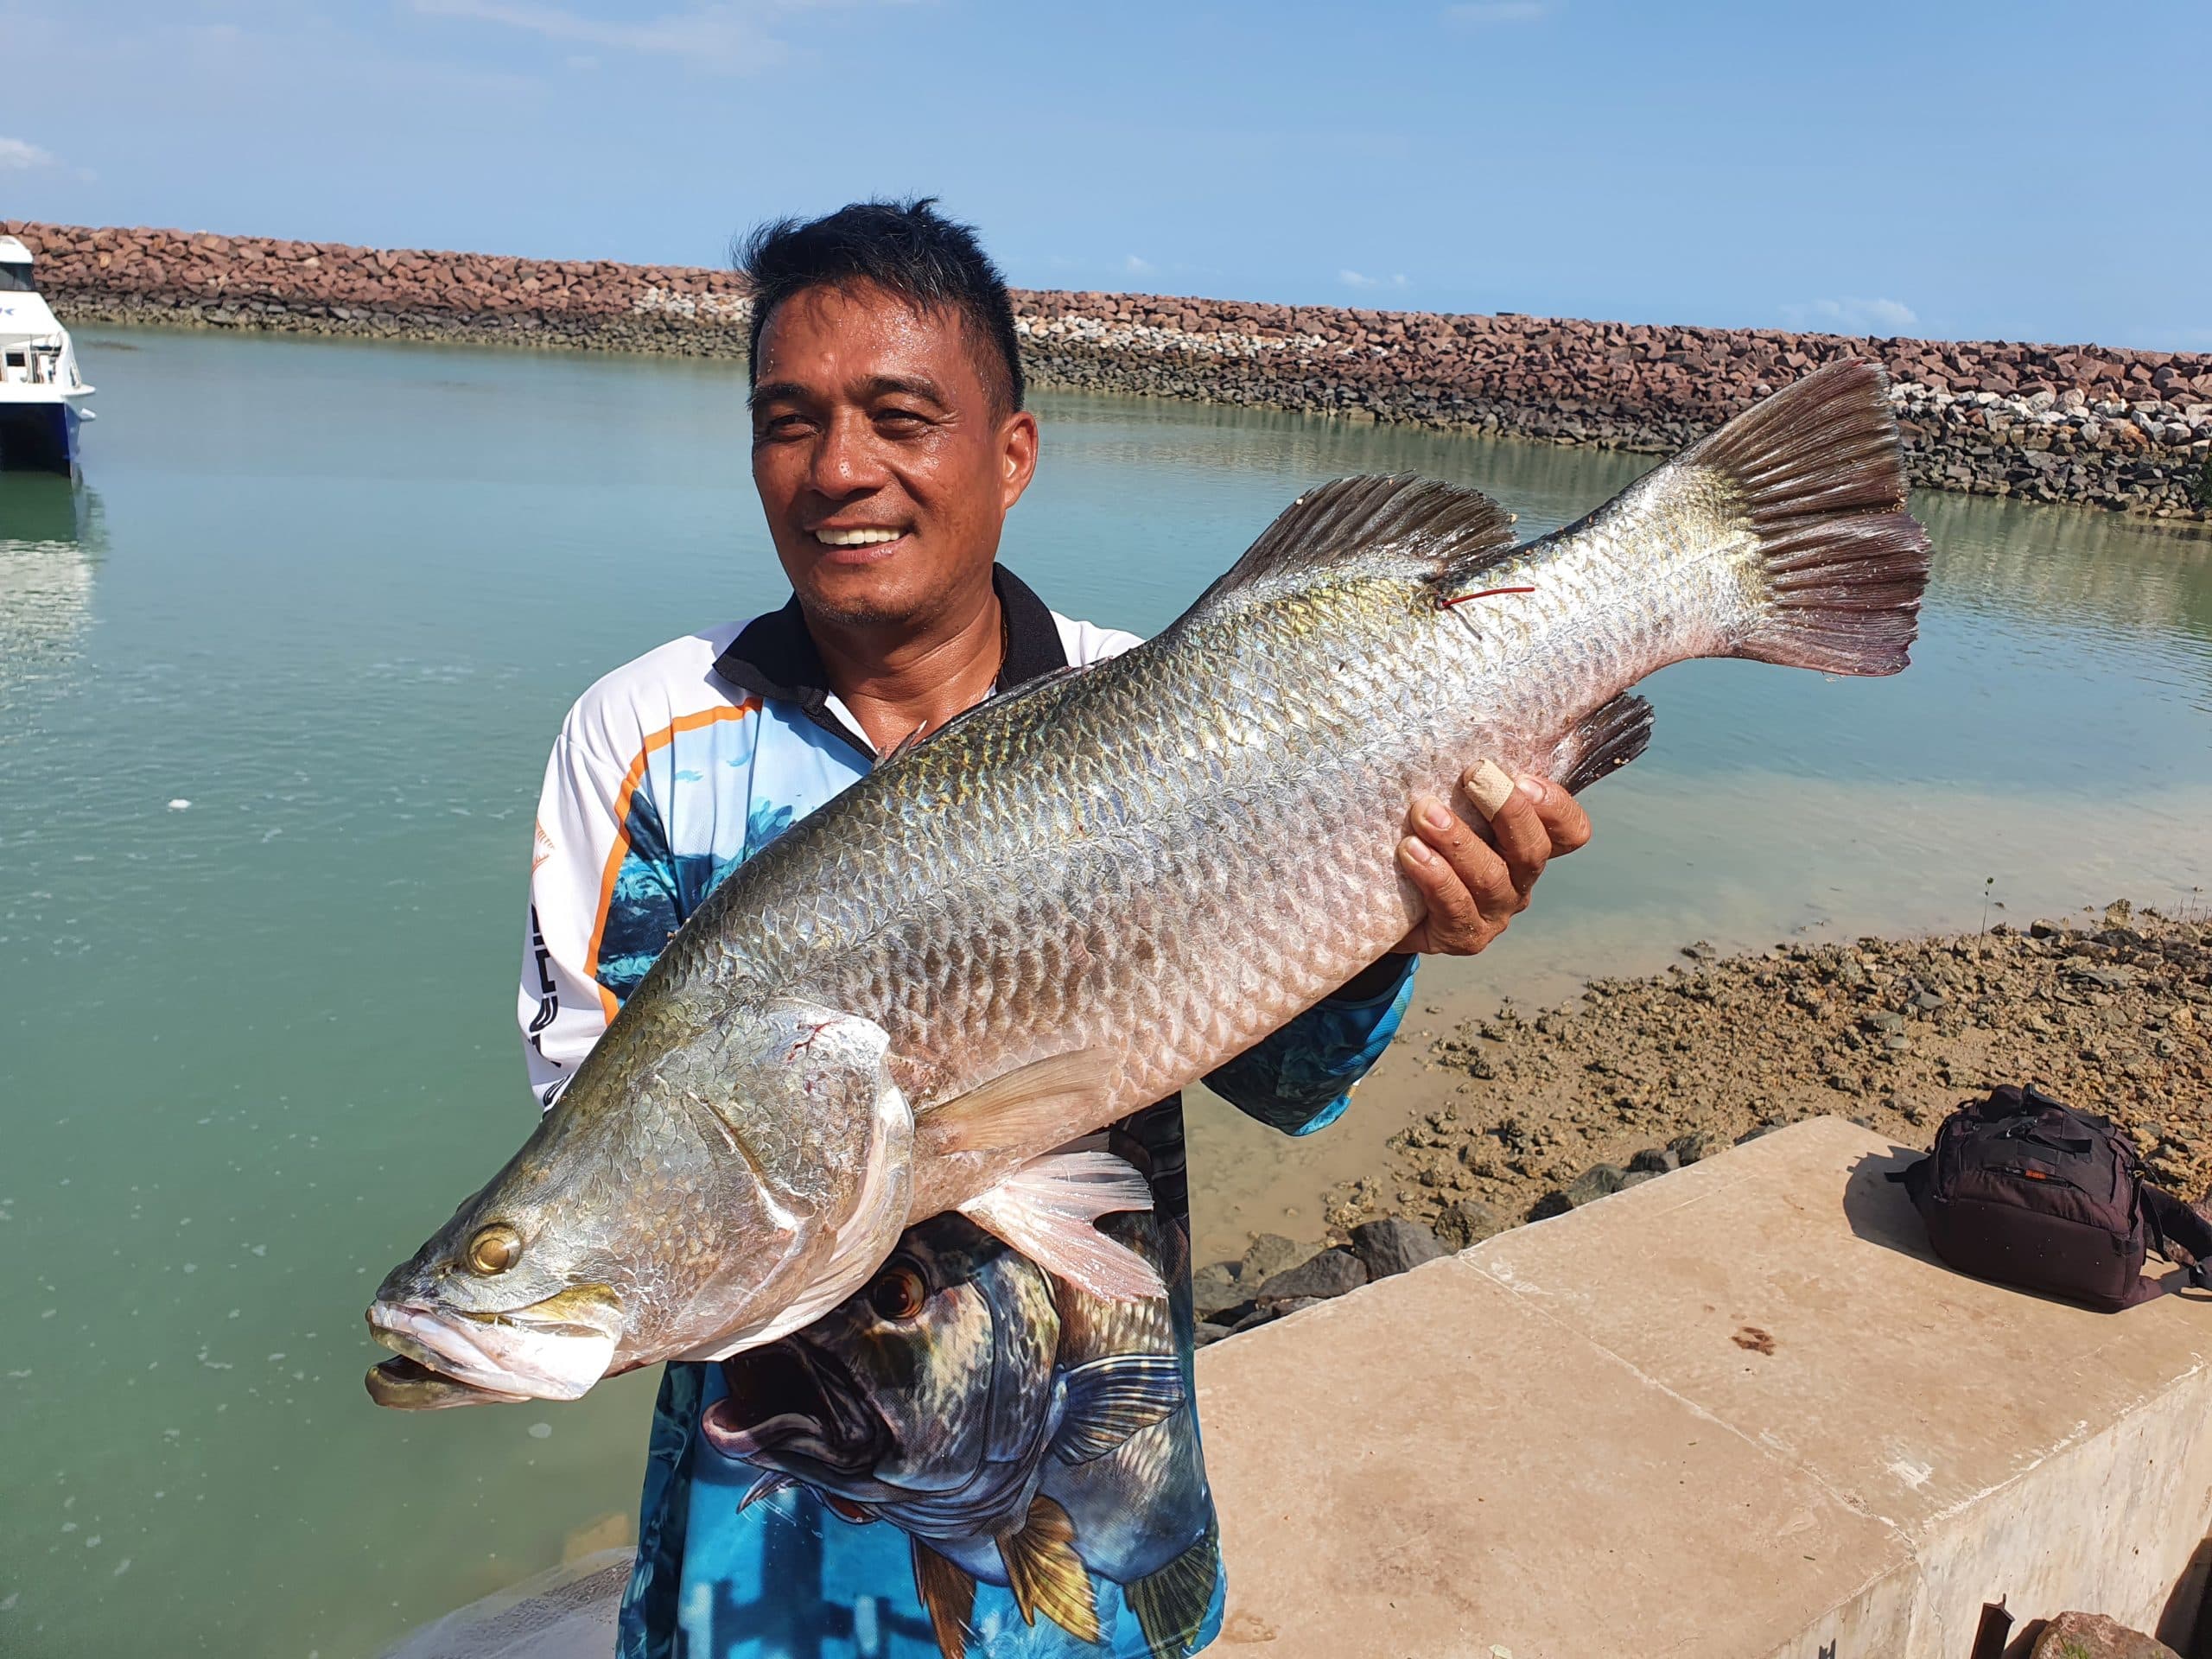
pixel 1523 840
pixel 1453 918
pixel 1564 820
pixel 1468 888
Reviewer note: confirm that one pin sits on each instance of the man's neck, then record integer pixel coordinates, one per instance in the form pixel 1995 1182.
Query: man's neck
pixel 900 683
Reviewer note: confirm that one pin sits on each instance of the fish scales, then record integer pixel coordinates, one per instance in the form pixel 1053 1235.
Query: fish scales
pixel 1123 918
pixel 1084 895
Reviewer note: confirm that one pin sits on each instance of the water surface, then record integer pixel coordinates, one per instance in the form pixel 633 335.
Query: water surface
pixel 275 691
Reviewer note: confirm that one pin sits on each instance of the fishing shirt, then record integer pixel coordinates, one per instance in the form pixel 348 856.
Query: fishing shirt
pixel 668 774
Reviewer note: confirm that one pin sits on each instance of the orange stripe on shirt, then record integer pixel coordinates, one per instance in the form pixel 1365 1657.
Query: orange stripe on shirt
pixel 630 779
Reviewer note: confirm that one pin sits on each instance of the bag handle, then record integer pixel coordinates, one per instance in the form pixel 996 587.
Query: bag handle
pixel 2174 1223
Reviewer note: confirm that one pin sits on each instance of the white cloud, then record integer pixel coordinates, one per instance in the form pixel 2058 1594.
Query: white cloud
pixel 17 156
pixel 1851 316
pixel 1480 13
pixel 1360 279
pixel 1137 267
pixel 730 34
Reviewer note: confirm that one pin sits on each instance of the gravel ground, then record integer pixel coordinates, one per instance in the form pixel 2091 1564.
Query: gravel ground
pixel 1552 1108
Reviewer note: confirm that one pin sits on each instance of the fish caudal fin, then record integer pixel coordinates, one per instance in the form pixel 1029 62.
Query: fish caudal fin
pixel 1046 1575
pixel 949 1595
pixel 1046 1210
pixel 1171 1604
pixel 1602 743
pixel 1817 472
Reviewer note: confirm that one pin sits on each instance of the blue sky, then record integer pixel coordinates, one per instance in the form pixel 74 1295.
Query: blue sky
pixel 2036 171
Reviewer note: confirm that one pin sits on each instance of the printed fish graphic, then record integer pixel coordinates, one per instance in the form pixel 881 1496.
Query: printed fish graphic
pixel 1020 1433
pixel 1083 895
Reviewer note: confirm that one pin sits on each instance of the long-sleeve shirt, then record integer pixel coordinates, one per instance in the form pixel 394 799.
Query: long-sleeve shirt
pixel 666 775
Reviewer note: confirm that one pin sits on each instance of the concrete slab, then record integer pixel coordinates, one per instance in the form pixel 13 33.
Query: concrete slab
pixel 1433 1466
pixel 1498 1449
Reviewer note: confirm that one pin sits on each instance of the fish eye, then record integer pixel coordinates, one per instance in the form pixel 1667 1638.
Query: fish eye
pixel 897 1292
pixel 494 1250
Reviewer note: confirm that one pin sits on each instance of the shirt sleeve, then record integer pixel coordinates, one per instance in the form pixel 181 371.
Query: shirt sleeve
pixel 572 972
pixel 1300 1078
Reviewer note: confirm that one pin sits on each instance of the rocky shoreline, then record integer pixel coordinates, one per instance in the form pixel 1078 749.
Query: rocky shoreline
pixel 2088 424
pixel 1549 1110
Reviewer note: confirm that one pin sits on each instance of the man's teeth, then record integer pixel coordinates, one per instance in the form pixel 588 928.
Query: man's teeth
pixel 857 537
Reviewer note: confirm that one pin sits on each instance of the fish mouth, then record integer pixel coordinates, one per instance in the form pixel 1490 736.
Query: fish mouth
pixel 794 1406
pixel 556 1349
pixel 405 1384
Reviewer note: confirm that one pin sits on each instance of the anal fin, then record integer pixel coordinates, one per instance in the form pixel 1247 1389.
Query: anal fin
pixel 948 1595
pixel 1046 1210
pixel 1110 1399
pixel 1171 1604
pixel 1602 742
pixel 1046 1575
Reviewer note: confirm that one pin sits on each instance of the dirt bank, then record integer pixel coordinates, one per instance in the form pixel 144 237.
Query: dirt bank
pixel 1544 1109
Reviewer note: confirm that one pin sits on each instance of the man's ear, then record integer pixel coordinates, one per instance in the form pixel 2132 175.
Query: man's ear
pixel 1017 455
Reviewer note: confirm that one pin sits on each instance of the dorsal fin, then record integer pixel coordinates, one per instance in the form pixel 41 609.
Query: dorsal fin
pixel 1399 525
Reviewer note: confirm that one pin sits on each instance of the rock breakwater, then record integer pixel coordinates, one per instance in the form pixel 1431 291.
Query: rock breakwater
pixel 2090 424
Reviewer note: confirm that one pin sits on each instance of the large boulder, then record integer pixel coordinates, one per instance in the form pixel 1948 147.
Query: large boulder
pixel 1332 1273
pixel 1468 1221
pixel 2092 1635
pixel 1393 1245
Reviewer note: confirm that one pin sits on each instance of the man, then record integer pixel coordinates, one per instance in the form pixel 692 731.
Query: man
pixel 889 443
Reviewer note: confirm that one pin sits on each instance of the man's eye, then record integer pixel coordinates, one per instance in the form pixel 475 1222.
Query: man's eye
pixel 900 420
pixel 780 426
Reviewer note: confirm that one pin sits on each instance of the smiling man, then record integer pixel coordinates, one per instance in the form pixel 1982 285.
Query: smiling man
pixel 890 441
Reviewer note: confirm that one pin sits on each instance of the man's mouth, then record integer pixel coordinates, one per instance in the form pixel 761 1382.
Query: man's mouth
pixel 856 535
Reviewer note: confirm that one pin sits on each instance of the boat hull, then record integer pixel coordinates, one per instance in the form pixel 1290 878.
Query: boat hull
pixel 38 437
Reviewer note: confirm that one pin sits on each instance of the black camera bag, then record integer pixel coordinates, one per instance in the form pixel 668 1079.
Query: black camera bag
pixel 2026 1191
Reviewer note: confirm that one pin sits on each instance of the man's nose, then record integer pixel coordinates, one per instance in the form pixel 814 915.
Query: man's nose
pixel 846 458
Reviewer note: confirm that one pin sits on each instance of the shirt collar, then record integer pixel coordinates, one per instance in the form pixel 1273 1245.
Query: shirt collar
pixel 774 658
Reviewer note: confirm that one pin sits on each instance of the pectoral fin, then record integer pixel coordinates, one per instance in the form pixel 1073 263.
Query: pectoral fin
pixel 1034 1106
pixel 1109 1400
pixel 1046 1573
pixel 1171 1605
pixel 1047 1209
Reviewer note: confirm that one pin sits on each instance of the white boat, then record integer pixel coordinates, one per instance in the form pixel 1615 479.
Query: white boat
pixel 41 391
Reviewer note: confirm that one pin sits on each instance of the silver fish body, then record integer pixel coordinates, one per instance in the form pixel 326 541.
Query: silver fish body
pixel 1084 895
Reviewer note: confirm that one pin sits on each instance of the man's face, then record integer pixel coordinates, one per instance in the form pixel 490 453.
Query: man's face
pixel 883 463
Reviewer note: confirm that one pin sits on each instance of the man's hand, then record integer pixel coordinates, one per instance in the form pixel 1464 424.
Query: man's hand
pixel 1474 883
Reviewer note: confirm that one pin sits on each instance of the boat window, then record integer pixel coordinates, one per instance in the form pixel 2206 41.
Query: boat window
pixel 15 278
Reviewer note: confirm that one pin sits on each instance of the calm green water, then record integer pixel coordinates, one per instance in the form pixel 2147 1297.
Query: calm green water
pixel 337 597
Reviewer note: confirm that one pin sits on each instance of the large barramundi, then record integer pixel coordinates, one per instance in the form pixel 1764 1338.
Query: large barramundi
pixel 1084 895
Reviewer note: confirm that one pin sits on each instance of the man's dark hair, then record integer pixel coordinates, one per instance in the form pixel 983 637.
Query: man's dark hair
pixel 905 248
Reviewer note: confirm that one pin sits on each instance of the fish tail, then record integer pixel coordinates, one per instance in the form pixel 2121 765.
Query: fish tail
pixel 1817 474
